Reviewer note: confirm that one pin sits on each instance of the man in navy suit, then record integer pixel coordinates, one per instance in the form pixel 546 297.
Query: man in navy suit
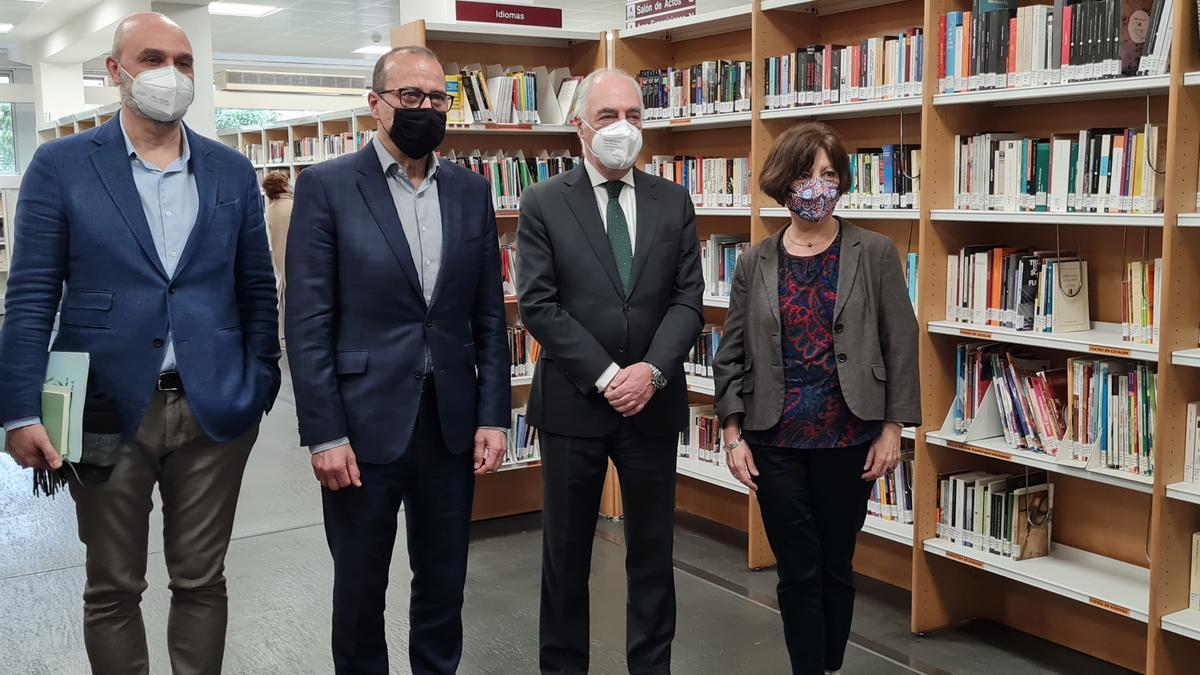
pixel 399 353
pixel 158 236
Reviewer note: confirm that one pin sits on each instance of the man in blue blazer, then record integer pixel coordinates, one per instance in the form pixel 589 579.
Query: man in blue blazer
pixel 398 348
pixel 157 234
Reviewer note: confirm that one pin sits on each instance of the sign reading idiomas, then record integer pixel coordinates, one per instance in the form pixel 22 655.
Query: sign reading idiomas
pixel 645 12
pixel 521 15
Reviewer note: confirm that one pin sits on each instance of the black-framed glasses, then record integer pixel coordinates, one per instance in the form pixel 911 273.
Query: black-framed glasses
pixel 411 97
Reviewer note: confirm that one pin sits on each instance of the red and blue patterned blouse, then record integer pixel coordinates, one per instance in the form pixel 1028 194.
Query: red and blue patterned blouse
pixel 815 414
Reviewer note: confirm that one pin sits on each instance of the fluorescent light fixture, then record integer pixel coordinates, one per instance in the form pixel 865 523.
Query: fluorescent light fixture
pixel 373 50
pixel 240 9
pixel 5 27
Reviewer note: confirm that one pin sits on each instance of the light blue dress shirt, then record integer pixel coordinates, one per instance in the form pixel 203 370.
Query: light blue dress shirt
pixel 171 203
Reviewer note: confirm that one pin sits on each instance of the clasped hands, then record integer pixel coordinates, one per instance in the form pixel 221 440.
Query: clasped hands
pixel 630 389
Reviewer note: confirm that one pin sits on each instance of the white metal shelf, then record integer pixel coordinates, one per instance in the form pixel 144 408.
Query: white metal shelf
pixel 1184 492
pixel 743 211
pixel 510 129
pixel 507 34
pixel 850 214
pixel 1103 340
pixel 1186 357
pixel 709 473
pixel 701 385
pixel 901 533
pixel 1188 220
pixel 1107 584
pixel 718 301
pixel 703 24
pixel 906 104
pixel 1185 623
pixel 1049 218
pixel 1092 90
pixel 996 448
pixel 517 466
pixel 718 121
pixel 1191 79
pixel 522 381
pixel 823 7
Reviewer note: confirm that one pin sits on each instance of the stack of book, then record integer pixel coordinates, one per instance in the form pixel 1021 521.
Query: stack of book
pixel 1111 410
pixel 1191 457
pixel 522 441
pixel 719 255
pixel 708 88
pixel 1143 300
pixel 713 182
pixel 508 266
pixel 512 95
pixel 884 178
pixel 701 438
pixel 891 495
pixel 998 45
pixel 1041 291
pixel 510 173
pixel 700 360
pixel 306 149
pixel 363 138
pixel 1031 399
pixel 254 153
pixel 277 152
pixel 972 379
pixel 1002 514
pixel 523 351
pixel 1094 171
pixel 335 145
pixel 876 69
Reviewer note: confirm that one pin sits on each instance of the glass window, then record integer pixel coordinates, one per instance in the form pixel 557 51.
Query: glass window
pixel 8 149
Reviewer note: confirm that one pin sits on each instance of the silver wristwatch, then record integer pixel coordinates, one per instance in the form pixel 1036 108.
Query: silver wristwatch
pixel 656 377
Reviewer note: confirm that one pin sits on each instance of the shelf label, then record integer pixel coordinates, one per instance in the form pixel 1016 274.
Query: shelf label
pixel 982 335
pixel 964 559
pixel 980 451
pixel 645 12
pixel 1109 351
pixel 681 121
pixel 521 15
pixel 1104 604
pixel 505 127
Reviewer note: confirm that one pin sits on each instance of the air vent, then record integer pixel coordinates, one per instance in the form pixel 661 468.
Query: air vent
pixel 296 83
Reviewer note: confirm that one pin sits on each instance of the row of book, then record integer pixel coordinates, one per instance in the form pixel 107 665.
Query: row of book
pixel 523 351
pixel 892 493
pixel 1003 514
pixel 1112 407
pixel 508 265
pixel 884 178
pixel 1022 289
pixel 701 438
pixel 719 255
pixel 1094 171
pixel 1191 457
pixel 700 358
pixel 512 95
pixel 1142 302
pixel 707 88
pixel 712 182
pixel 876 69
pixel 510 173
pixel 999 45
pixel 910 276
pixel 522 441
pixel 306 149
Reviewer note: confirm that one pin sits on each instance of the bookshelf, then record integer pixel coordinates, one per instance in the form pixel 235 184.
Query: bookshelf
pixel 77 122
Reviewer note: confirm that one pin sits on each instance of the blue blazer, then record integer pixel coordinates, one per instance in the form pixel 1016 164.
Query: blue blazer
pixel 357 323
pixel 81 231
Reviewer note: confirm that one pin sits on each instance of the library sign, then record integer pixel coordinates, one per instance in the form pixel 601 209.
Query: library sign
pixel 645 12
pixel 521 15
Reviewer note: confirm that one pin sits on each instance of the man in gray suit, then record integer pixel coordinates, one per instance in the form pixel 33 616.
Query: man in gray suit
pixel 611 286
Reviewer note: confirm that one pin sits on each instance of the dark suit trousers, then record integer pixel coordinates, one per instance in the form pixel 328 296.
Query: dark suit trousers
pixel 436 489
pixel 813 504
pixel 573 480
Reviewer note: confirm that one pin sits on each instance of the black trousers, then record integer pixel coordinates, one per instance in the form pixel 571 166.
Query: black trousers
pixel 436 489
pixel 573 472
pixel 813 504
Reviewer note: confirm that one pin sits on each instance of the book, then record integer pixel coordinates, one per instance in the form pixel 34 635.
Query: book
pixel 712 182
pixel 707 88
pixel 1002 514
pixel 64 392
pixel 877 68
pixel 1194 588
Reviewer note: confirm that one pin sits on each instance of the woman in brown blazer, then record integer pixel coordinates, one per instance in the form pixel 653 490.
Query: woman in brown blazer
pixel 279 217
pixel 815 376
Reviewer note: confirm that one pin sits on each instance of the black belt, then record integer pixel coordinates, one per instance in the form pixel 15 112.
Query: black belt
pixel 170 381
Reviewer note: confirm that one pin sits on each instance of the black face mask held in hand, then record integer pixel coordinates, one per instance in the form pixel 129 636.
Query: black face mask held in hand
pixel 417 131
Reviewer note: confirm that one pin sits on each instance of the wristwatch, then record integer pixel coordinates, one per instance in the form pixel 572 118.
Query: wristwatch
pixel 656 377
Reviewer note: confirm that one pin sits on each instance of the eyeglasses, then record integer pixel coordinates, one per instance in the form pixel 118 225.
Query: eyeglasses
pixel 410 97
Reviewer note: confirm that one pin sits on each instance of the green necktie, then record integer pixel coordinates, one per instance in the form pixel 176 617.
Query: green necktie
pixel 618 232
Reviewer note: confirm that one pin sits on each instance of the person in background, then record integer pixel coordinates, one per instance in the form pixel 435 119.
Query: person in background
pixel 399 356
pixel 611 287
pixel 815 376
pixel 157 234
pixel 279 216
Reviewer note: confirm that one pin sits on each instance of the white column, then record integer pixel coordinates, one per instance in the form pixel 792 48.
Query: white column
pixel 196 22
pixel 58 90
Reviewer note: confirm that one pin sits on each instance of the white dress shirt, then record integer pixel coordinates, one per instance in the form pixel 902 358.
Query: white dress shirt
pixel 629 205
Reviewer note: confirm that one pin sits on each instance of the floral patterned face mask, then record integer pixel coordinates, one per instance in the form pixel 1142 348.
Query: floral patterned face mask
pixel 814 199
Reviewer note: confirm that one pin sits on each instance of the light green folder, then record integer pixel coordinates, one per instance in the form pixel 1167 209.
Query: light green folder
pixel 63 396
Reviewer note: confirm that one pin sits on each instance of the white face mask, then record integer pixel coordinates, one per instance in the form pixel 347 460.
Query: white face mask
pixel 162 94
pixel 616 145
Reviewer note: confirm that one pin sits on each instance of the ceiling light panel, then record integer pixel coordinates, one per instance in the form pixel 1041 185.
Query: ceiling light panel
pixel 241 9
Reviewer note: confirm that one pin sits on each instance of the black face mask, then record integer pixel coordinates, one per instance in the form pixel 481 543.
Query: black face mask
pixel 417 131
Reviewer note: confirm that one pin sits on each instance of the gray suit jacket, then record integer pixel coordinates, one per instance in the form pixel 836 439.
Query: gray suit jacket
pixel 875 335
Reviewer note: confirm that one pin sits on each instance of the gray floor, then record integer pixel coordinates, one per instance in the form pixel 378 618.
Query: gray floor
pixel 280 579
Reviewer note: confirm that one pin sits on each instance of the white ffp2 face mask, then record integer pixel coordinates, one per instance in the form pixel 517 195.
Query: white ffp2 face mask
pixel 616 145
pixel 162 94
